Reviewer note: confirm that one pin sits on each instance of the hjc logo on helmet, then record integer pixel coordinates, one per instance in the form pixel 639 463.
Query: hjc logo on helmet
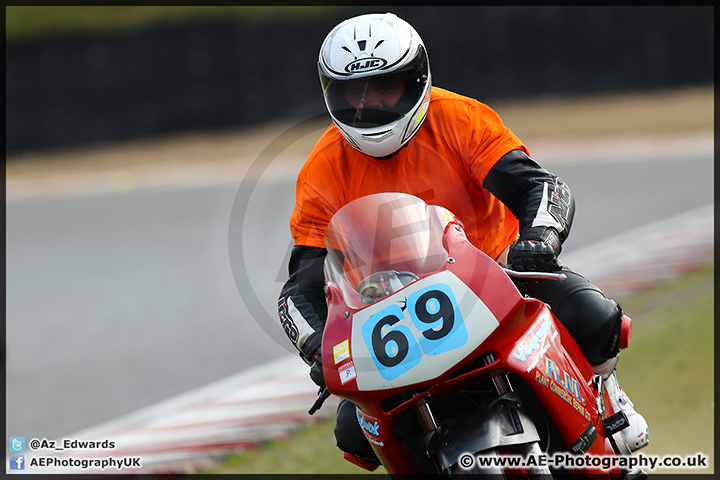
pixel 365 65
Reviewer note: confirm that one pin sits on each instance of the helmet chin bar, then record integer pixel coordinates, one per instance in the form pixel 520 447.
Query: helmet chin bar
pixel 390 138
pixel 379 136
pixel 381 148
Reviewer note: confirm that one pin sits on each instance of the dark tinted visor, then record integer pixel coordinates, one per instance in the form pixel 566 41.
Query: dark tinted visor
pixel 379 99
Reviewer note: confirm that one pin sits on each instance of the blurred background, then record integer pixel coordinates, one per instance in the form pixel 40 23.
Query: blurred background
pixel 79 75
pixel 151 154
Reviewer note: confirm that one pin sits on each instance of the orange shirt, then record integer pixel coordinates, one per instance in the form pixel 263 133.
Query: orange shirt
pixel 445 164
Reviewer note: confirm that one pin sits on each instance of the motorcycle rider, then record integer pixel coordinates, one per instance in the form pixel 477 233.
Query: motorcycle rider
pixel 393 131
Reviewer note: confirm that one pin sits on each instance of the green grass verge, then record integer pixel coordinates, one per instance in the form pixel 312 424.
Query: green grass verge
pixel 310 449
pixel 667 371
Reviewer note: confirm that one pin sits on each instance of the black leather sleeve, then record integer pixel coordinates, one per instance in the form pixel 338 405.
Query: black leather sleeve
pixel 301 307
pixel 535 196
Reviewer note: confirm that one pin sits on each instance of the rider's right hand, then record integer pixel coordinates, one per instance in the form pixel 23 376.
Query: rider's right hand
pixel 316 371
pixel 536 250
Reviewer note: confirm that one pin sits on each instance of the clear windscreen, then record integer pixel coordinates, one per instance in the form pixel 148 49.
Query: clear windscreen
pixel 381 243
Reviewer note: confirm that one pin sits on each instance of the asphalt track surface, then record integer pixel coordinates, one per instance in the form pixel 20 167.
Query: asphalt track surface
pixel 117 300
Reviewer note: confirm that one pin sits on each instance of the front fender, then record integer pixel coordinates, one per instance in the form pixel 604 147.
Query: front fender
pixel 503 422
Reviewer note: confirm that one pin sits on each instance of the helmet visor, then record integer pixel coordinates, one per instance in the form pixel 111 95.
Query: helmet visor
pixel 377 100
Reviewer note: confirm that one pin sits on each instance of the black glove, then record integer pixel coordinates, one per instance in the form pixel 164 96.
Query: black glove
pixel 536 251
pixel 316 371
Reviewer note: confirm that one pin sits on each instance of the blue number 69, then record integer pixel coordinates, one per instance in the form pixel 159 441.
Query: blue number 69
pixel 394 348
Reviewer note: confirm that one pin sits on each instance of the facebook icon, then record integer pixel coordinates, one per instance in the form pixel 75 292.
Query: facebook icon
pixel 17 462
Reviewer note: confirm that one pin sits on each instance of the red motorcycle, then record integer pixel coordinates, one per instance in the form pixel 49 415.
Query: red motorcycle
pixel 452 370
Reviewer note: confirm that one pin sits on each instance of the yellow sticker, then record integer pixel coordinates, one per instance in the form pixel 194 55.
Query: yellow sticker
pixel 446 216
pixel 341 351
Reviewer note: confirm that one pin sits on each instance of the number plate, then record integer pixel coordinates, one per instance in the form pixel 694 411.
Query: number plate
pixel 418 333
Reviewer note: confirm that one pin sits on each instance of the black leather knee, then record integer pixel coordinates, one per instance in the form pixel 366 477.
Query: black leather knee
pixel 594 322
pixel 349 435
pixel 591 318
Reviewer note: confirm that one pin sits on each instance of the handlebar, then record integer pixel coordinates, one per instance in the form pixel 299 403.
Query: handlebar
pixel 322 396
pixel 560 277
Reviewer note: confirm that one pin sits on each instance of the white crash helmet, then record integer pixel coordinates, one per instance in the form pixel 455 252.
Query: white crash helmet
pixel 367 48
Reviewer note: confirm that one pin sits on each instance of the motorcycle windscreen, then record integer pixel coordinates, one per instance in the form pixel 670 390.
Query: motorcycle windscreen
pixel 381 243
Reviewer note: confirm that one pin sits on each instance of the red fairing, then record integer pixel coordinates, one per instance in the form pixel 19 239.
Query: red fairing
pixel 625 332
pixel 430 338
pixel 533 344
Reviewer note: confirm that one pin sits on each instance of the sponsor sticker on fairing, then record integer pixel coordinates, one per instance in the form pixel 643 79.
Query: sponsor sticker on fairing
pixel 347 372
pixel 341 351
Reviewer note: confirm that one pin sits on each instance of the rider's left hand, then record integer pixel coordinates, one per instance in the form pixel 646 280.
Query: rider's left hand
pixel 316 371
pixel 536 251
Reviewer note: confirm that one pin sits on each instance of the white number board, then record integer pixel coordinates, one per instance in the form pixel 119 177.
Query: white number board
pixel 418 333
